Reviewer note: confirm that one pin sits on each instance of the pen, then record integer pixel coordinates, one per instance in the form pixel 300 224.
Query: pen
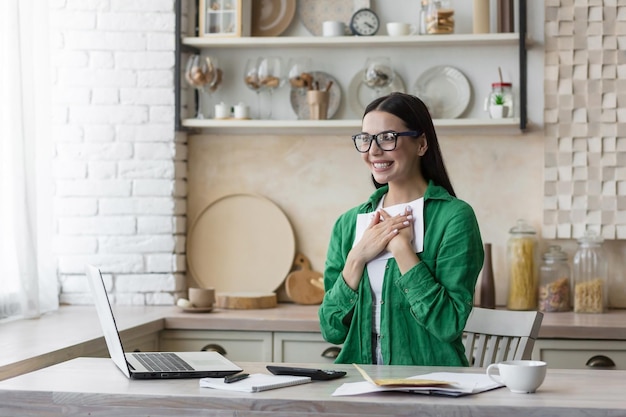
pixel 234 378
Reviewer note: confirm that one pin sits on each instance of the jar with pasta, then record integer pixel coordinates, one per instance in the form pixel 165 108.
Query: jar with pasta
pixel 554 281
pixel 589 274
pixel 522 267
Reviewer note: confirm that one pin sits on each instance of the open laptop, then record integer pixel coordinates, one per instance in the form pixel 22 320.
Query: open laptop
pixel 146 365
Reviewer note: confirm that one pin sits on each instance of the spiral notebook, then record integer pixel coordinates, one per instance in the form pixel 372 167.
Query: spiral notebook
pixel 255 382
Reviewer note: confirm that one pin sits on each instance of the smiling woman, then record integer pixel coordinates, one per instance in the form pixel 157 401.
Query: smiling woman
pixel 26 286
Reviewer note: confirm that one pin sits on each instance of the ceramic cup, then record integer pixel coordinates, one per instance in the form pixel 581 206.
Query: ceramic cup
pixel 333 28
pixel 202 297
pixel 522 377
pixel 318 104
pixel 400 29
pixel 222 111
pixel 242 111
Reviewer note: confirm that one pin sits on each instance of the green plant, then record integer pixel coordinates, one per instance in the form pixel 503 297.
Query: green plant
pixel 498 99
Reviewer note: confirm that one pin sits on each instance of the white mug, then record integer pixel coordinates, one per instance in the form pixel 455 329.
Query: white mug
pixel 242 111
pixel 522 377
pixel 333 28
pixel 401 29
pixel 222 111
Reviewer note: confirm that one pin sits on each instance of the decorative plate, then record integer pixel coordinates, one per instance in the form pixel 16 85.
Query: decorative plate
pixel 241 242
pixel 298 96
pixel 314 12
pixel 271 17
pixel 445 90
pixel 360 95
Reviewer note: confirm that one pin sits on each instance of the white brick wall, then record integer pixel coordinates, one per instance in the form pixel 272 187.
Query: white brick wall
pixel 120 169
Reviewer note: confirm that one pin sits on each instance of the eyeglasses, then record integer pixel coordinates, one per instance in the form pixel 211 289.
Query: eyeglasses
pixel 386 141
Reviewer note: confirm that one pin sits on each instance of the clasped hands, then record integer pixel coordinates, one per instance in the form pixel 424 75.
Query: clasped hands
pixel 386 232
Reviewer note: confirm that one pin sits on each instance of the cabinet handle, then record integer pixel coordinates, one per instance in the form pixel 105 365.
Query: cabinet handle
pixel 331 353
pixel 212 347
pixel 600 361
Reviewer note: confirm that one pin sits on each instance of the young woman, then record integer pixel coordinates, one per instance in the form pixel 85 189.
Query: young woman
pixel 401 268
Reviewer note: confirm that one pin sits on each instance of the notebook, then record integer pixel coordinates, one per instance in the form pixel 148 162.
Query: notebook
pixel 152 365
pixel 255 382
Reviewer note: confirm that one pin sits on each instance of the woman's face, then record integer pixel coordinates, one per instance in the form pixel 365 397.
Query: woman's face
pixel 402 165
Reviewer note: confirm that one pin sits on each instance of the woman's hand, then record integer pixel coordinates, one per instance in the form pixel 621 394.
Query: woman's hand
pixel 404 238
pixel 382 230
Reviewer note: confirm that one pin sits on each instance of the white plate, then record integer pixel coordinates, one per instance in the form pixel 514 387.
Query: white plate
pixel 360 95
pixel 298 96
pixel 445 90
pixel 314 12
pixel 272 17
pixel 241 242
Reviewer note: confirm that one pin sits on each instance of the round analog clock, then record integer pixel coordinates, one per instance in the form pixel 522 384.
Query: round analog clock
pixel 364 22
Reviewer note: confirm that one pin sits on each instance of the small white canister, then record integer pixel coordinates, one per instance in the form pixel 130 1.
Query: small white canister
pixel 242 111
pixel 222 111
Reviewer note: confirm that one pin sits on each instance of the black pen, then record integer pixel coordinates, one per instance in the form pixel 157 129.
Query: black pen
pixel 234 378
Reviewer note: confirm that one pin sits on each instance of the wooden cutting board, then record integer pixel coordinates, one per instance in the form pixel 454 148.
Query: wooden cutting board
pixel 299 283
pixel 245 300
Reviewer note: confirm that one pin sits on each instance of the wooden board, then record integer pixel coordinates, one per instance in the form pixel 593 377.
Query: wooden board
pixel 300 289
pixel 246 300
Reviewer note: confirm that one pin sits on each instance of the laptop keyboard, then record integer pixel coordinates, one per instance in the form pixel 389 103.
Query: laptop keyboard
pixel 162 362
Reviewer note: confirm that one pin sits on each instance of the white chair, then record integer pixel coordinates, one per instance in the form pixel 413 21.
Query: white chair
pixel 498 335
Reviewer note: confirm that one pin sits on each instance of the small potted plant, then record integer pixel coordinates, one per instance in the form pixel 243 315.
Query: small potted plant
pixel 497 109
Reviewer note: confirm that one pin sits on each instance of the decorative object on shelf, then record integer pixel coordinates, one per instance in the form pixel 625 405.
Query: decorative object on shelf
pixel 487 282
pixel 240 242
pixel 445 90
pixel 222 111
pixel 271 77
pixel 505 22
pixel 299 102
pixel 313 13
pixel 251 79
pixel 439 18
pixel 364 22
pixel 401 29
pixel 318 104
pixel 359 95
pixel 299 74
pixel 481 16
pixel 224 17
pixel 378 74
pixel 203 73
pixel 272 17
pixel 590 275
pixel 333 28
pixel 499 103
pixel 241 111
pixel 522 264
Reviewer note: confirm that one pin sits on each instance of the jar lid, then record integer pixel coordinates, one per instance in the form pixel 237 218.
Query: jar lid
pixel 555 253
pixel 590 238
pixel 501 85
pixel 521 227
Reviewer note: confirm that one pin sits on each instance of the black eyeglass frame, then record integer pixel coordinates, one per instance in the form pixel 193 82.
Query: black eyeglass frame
pixel 413 133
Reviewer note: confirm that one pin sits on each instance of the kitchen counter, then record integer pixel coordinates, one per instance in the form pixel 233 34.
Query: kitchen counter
pixel 94 386
pixel 74 331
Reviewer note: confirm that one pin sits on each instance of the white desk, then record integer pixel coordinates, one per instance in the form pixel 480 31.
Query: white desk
pixel 87 386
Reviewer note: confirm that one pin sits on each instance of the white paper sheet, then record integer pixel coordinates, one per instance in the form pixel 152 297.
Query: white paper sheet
pixel 464 384
pixel 363 220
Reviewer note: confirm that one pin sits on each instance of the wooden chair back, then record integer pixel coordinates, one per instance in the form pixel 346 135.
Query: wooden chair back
pixel 499 335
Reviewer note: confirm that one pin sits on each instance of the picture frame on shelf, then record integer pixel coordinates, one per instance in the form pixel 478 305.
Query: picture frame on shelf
pixel 224 18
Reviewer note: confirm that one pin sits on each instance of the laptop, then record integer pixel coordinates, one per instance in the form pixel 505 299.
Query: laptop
pixel 152 365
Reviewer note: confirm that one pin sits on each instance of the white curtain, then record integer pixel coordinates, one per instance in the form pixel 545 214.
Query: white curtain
pixel 27 275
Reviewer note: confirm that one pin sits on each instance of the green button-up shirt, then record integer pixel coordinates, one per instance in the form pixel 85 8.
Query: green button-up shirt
pixel 424 311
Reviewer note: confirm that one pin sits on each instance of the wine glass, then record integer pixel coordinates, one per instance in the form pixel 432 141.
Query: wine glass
pixel 378 74
pixel 271 77
pixel 299 74
pixel 203 74
pixel 251 79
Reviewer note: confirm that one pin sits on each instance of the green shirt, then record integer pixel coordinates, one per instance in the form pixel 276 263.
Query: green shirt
pixel 424 311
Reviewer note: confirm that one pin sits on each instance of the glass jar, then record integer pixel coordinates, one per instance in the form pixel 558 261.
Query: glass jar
pixel 439 17
pixel 554 281
pixel 590 275
pixel 522 266
pixel 499 103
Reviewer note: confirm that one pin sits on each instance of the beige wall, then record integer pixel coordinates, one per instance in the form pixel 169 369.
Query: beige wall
pixel 315 178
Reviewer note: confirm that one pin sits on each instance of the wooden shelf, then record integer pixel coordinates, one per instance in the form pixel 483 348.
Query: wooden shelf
pixel 343 127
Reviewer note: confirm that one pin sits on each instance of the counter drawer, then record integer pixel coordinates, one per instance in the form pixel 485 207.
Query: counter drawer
pixel 575 354
pixel 303 347
pixel 235 345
